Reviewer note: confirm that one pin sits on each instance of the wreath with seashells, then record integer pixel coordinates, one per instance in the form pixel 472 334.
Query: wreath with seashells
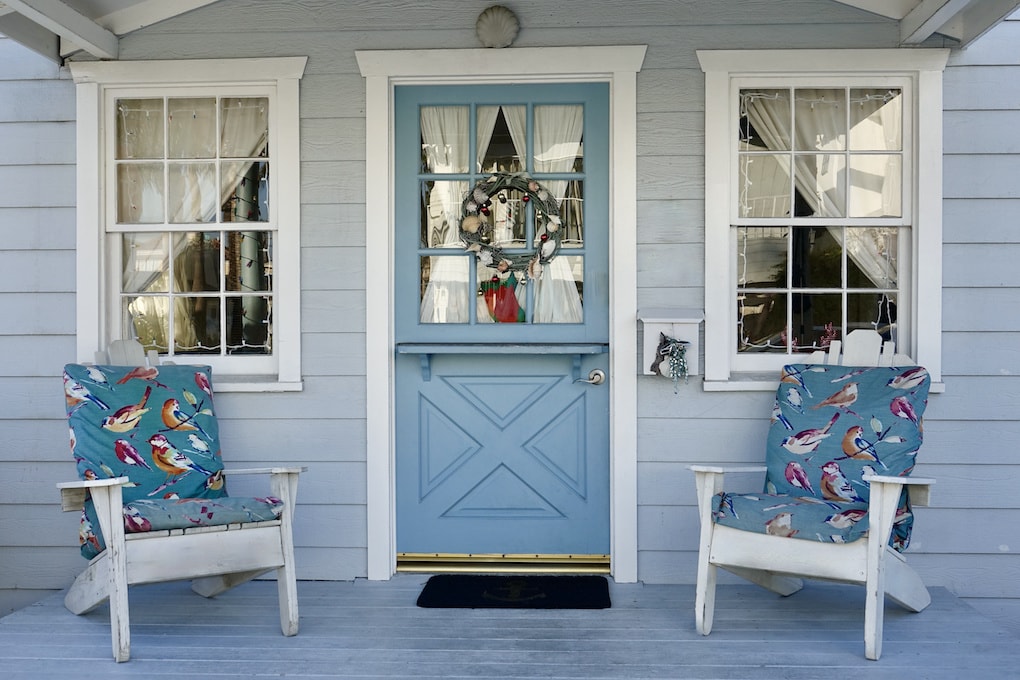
pixel 476 231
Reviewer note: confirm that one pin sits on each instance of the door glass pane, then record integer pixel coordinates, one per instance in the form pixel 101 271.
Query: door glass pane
pixel 196 325
pixel 572 214
pixel 445 135
pixel 146 263
pixel 502 138
pixel 504 294
pixel 192 192
pixel 559 131
pixel 875 185
pixel 441 214
pixel 196 262
pixel 446 293
pixel 244 127
pixel 140 193
pixel 191 128
pixel 559 291
pixel 139 128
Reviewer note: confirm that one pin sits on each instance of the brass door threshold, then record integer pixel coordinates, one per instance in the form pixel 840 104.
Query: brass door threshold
pixel 460 563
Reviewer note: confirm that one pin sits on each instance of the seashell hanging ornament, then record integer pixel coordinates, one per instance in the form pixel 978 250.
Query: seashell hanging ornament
pixel 497 26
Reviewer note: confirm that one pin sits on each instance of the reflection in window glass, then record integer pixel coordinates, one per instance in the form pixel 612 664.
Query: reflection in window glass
pixel 445 289
pixel 559 291
pixel 191 127
pixel 805 154
pixel 445 138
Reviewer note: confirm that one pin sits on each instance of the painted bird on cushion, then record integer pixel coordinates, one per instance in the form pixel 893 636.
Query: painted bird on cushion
pixel 176 419
pixel 96 376
pixel 855 446
pixel 170 460
pixel 202 380
pixel 846 396
pixel 126 418
pixel 128 454
pixel 781 525
pixel 846 518
pixel 778 417
pixel 75 394
pixel 902 408
pixel 835 486
pixel 908 380
pixel 142 373
pixel 796 476
pixel 806 441
pixel 793 376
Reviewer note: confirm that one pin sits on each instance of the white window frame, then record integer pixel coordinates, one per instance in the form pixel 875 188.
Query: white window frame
pixel 725 71
pixel 97 86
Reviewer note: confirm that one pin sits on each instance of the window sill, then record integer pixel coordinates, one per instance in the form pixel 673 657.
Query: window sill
pixel 759 382
pixel 255 383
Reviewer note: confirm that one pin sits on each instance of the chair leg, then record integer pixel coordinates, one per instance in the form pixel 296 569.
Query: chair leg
pixel 284 486
pixel 704 596
pixel 109 509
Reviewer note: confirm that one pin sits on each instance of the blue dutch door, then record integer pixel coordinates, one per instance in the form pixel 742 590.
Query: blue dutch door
pixel 501 319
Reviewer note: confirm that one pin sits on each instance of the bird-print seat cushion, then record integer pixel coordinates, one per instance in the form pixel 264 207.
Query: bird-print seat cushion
pixel 831 426
pixel 156 426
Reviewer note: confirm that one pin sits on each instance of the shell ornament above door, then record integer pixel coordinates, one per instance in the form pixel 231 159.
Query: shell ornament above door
pixel 497 26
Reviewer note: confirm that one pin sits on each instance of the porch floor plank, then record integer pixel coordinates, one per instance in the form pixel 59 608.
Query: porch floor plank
pixel 364 629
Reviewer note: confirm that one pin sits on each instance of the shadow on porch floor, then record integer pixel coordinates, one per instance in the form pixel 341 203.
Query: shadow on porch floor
pixel 363 629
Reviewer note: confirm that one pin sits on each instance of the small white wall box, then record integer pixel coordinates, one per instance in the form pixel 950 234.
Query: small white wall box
pixel 677 323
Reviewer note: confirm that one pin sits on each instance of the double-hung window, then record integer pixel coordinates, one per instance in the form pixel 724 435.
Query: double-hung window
pixel 822 205
pixel 188 205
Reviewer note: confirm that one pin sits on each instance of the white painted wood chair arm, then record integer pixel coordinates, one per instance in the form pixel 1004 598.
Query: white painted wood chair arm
pixel 265 471
pixel 919 488
pixel 72 494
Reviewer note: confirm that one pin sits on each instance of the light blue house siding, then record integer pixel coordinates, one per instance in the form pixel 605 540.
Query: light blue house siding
pixel 967 541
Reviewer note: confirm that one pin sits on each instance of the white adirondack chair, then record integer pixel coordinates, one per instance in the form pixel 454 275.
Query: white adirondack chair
pixel 216 556
pixel 779 563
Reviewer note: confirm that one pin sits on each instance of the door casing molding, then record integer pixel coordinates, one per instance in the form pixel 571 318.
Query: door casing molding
pixel 385 69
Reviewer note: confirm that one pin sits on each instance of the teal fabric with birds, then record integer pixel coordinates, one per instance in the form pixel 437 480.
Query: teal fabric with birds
pixel 831 426
pixel 156 426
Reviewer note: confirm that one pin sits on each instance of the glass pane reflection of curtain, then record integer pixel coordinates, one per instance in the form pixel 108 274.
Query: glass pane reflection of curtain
pixel 821 121
pixel 558 132
pixel 444 131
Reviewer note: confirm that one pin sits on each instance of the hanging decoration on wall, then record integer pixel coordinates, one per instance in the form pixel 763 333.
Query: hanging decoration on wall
pixel 497 26
pixel 671 360
pixel 476 232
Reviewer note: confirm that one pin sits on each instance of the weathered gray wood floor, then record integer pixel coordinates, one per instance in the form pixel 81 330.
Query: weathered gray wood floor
pixel 365 629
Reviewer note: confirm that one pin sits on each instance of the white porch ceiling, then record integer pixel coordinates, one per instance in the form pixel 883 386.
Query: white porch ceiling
pixel 57 28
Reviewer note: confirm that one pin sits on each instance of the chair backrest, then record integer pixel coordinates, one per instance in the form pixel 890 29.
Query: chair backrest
pixel 152 424
pixel 833 424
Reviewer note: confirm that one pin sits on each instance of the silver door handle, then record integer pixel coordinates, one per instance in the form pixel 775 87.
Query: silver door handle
pixel 596 377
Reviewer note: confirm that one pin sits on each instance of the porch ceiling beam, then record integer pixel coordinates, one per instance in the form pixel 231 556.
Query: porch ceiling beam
pixel 982 16
pixel 930 17
pixel 60 19
pixel 31 35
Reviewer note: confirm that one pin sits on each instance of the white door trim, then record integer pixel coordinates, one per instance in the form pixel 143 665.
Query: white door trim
pixel 383 70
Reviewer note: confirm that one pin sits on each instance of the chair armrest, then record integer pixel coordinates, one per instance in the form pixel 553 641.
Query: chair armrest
pixel 72 494
pixel 723 469
pixel 265 471
pixel 919 488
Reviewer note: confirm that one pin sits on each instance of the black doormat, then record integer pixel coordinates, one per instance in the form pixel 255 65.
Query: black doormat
pixel 520 592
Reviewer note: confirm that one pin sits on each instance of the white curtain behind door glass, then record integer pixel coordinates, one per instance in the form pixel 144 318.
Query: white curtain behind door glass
pixel 879 122
pixel 444 131
pixel 558 132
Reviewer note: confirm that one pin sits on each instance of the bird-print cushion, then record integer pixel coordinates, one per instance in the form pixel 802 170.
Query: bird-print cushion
pixel 156 426
pixel 831 426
